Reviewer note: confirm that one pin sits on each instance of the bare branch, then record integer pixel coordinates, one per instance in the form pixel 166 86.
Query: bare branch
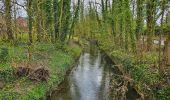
pixel 23 6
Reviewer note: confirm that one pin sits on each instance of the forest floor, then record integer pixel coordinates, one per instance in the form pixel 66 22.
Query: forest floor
pixel 56 58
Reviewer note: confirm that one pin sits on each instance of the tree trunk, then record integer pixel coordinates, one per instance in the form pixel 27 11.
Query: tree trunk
pixel 168 50
pixel 8 19
pixel 160 34
pixel 139 21
pixel 75 19
pixel 65 20
pixel 103 9
pixel 15 23
pixel 38 20
pixel 56 26
pixel 29 11
pixel 151 8
pixel 167 45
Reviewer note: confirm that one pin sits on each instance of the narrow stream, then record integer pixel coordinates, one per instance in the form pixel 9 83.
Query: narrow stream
pixel 90 80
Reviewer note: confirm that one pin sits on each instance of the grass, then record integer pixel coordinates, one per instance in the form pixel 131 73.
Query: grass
pixel 58 61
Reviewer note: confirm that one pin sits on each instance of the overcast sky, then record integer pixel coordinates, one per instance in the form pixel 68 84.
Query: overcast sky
pixel 22 12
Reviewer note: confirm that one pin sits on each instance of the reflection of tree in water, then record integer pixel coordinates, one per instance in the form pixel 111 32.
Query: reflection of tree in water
pixel 93 50
pixel 91 80
pixel 105 81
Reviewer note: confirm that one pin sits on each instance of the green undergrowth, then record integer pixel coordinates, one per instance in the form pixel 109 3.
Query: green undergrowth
pixel 145 74
pixel 143 70
pixel 164 93
pixel 59 59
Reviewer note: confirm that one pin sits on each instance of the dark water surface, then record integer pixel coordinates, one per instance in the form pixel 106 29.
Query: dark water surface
pixel 88 81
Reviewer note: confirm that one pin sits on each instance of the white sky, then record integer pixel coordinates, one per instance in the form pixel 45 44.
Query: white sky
pixel 23 13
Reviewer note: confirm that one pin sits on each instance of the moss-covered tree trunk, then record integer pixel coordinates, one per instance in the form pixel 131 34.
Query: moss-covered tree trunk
pixel 30 20
pixel 103 8
pixel 15 20
pixel 118 22
pixel 55 13
pixel 65 19
pixel 139 20
pixel 168 50
pixel 151 9
pixel 48 19
pixel 8 19
pixel 121 19
pixel 38 19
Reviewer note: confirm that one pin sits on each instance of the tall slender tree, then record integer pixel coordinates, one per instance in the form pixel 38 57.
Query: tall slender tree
pixel 151 11
pixel 139 20
pixel 56 12
pixel 65 19
pixel 37 18
pixel 48 19
pixel 8 19
pixel 30 19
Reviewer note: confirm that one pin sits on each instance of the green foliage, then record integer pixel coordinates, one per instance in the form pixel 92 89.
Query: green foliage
pixel 3 54
pixel 60 46
pixel 138 72
pixel 150 57
pixel 59 61
pixel 7 75
pixel 73 51
pixel 106 42
pixel 120 56
pixel 36 93
pixel 44 47
pixel 143 74
pixel 18 54
pixel 8 95
pixel 164 93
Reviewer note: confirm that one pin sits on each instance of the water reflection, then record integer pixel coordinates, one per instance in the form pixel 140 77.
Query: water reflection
pixel 88 81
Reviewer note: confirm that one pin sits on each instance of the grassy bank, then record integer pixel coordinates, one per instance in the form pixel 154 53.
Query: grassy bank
pixel 143 70
pixel 58 59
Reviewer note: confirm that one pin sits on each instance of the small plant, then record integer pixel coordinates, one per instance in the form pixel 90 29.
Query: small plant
pixel 164 93
pixel 4 55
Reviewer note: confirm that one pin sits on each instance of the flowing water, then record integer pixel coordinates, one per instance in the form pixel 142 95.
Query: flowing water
pixel 89 80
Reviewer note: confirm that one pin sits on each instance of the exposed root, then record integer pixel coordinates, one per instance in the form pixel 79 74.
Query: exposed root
pixel 36 72
pixel 39 74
